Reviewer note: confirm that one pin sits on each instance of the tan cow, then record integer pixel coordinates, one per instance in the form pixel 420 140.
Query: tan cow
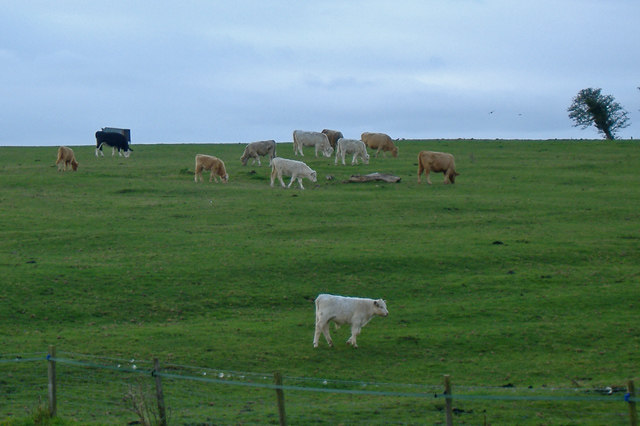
pixel 66 158
pixel 438 162
pixel 380 141
pixel 209 162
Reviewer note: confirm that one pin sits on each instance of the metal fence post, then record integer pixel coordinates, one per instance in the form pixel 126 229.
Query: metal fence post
pixel 280 396
pixel 159 394
pixel 53 401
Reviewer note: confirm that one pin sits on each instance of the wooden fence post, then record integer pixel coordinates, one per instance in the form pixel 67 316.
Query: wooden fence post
pixel 159 395
pixel 633 414
pixel 280 396
pixel 448 400
pixel 53 400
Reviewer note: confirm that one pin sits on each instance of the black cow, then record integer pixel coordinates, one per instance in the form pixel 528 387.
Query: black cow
pixel 114 140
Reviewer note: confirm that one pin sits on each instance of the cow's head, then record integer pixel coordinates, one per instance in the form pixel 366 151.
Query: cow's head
pixel 365 158
pixel 328 151
pixel 380 308
pixel 313 176
pixel 74 164
pixel 225 178
pixel 395 152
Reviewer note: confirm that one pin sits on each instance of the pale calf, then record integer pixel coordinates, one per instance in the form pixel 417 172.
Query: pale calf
pixel 209 162
pixel 345 310
pixel 66 158
pixel 316 139
pixel 351 146
pixel 295 169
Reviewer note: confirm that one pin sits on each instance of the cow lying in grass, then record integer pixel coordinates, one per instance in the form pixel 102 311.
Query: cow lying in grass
pixel 66 158
pixel 438 162
pixel 209 162
pixel 345 310
pixel 295 169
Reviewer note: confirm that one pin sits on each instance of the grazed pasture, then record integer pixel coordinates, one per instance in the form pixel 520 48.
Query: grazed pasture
pixel 524 272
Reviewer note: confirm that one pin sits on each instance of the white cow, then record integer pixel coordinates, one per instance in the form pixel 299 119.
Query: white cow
pixel 293 168
pixel 319 140
pixel 345 310
pixel 351 146
pixel 255 149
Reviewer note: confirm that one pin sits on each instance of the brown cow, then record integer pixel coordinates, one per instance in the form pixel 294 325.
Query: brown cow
pixel 333 136
pixel 437 162
pixel 66 158
pixel 209 162
pixel 379 141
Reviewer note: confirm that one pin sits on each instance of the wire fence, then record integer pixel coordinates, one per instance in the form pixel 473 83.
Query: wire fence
pixel 110 391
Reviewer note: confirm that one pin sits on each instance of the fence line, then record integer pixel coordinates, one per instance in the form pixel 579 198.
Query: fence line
pixel 259 382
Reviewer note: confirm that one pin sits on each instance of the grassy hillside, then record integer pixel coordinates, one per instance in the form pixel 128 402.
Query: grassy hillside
pixel 524 272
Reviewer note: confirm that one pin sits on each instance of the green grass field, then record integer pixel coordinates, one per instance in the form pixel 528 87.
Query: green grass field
pixel 524 273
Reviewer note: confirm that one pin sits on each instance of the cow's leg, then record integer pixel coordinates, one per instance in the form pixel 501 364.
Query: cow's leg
pixel 420 170
pixel 300 183
pixel 354 160
pixel 259 163
pixel 355 331
pixel 293 177
pixel 322 327
pixel 212 176
pixel 426 173
pixel 280 178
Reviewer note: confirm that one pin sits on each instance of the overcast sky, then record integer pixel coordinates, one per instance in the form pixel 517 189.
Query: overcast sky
pixel 249 70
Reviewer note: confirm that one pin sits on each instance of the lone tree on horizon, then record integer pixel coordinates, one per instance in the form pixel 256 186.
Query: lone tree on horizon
pixel 591 107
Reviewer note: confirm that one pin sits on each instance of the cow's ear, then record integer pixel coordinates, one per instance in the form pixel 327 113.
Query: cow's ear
pixel 375 303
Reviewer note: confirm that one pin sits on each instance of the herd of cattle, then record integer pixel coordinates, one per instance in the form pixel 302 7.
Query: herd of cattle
pixel 355 311
pixel 327 142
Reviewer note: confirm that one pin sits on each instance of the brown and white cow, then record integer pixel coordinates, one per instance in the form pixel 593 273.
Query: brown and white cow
pixel 438 162
pixel 380 142
pixel 66 158
pixel 209 162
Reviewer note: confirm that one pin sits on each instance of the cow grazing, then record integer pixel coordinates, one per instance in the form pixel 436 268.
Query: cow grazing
pixel 352 146
pixel 209 162
pixel 295 169
pixel 345 310
pixel 255 149
pixel 315 139
pixel 115 140
pixel 379 142
pixel 333 136
pixel 66 159
pixel 438 162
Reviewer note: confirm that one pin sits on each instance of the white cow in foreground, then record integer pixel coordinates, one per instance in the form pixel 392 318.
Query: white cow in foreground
pixel 293 168
pixel 351 146
pixel 345 310
pixel 319 140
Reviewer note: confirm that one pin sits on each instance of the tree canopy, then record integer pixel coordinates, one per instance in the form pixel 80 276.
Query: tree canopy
pixel 591 108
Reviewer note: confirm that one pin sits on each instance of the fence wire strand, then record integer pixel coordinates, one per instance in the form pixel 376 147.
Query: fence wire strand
pixel 95 389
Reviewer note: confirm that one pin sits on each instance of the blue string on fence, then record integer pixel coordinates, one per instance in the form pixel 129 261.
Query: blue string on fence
pixel 626 398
